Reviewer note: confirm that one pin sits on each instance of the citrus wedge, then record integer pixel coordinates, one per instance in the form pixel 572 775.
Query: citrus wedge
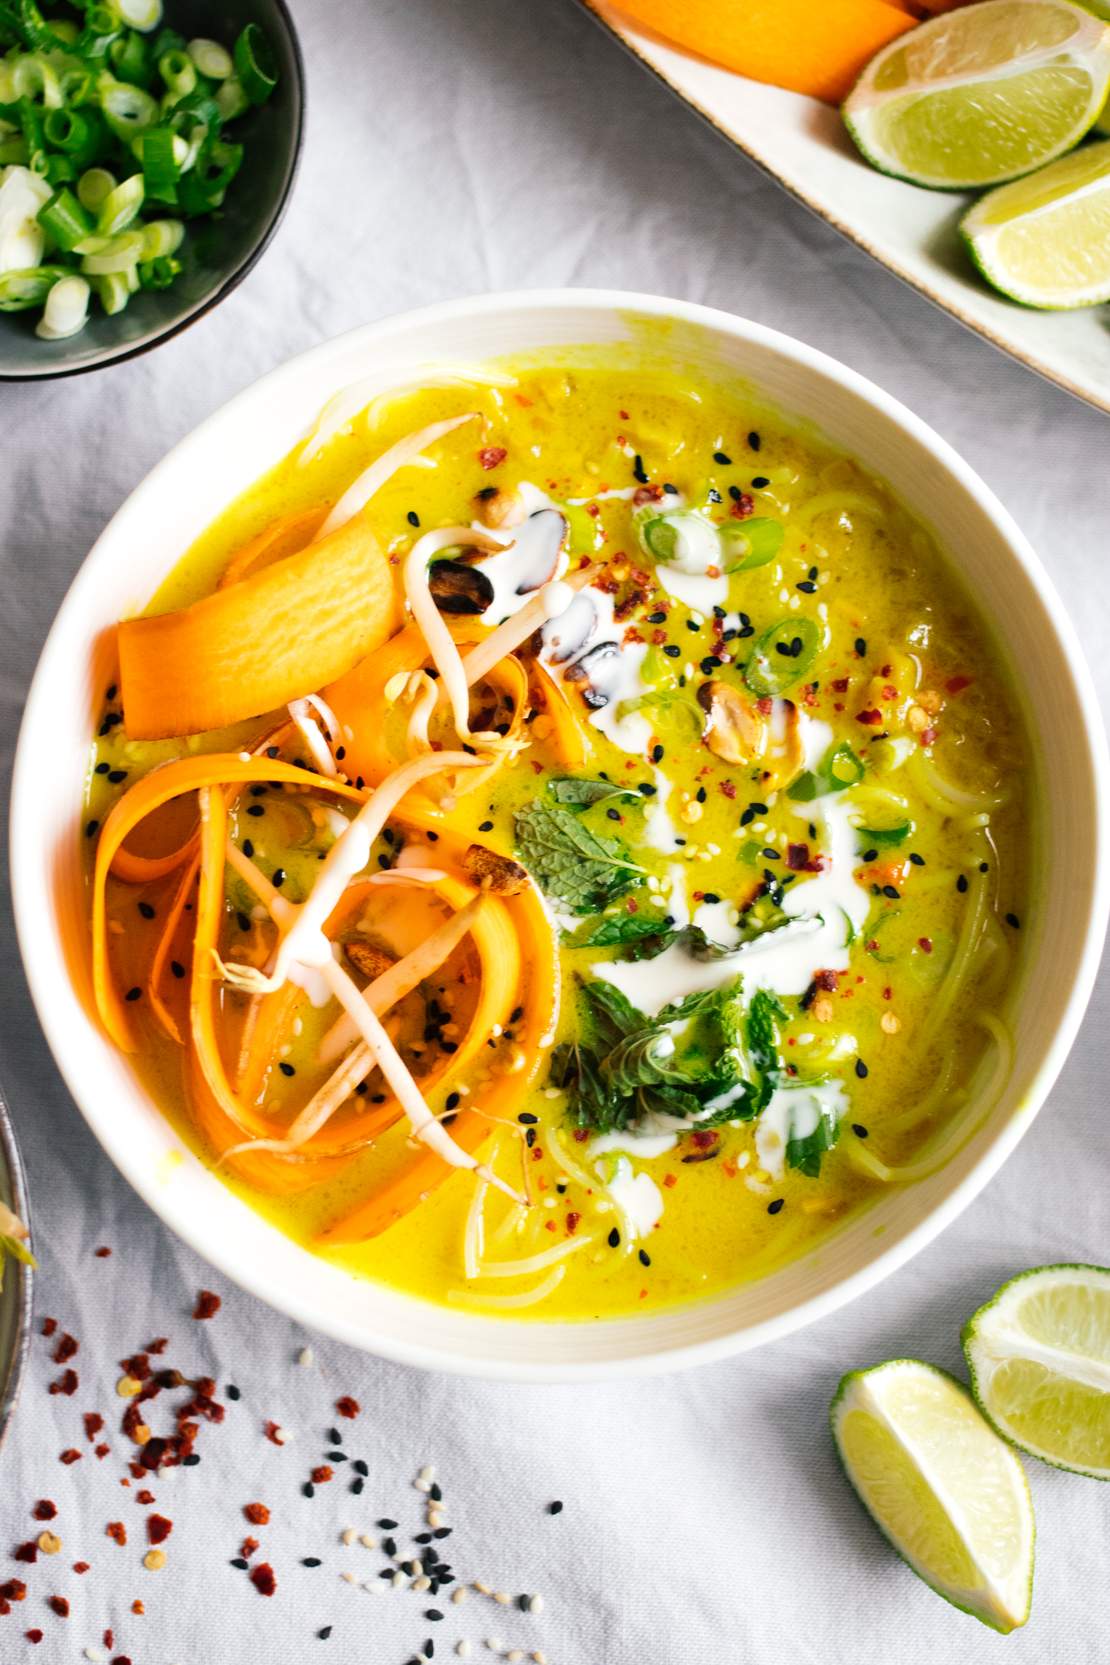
pixel 1045 240
pixel 951 1497
pixel 1039 1356
pixel 982 95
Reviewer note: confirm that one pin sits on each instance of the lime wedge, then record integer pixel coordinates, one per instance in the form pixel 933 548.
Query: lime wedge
pixel 982 95
pixel 1045 240
pixel 1039 1356
pixel 946 1491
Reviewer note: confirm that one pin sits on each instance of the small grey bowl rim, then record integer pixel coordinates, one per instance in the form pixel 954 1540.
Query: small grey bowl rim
pixel 234 278
pixel 12 1370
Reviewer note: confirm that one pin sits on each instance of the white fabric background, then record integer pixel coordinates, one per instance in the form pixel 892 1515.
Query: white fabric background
pixel 454 148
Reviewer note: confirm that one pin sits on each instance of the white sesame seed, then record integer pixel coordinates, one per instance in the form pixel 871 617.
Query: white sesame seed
pixel 423 1485
pixel 348 1536
pixel 458 1594
pixel 482 1589
pixel 283 1435
pixel 428 1472
pixel 422 1583
pixel 367 1541
pixel 373 1585
pixel 463 1649
pixel 306 1357
pixel 502 1598
pixel 538 1657
pixel 398 1579
pixel 435 1518
pixel 534 1604
pixel 348 1578
pixel 515 1655
pixel 95 1653
pixel 412 1568
pixel 493 1643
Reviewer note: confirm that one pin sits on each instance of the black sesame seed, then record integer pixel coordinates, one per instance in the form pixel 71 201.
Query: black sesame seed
pixel 101 769
pixel 286 1069
pixel 807 586
pixel 387 1526
pixel 429 1649
pixel 555 1508
pixel 359 1466
pixel 243 921
pixel 613 814
pixel 324 1633
pixel 701 794
pixel 90 828
pixel 671 491
pixel 133 994
pixel 777 1206
pixel 646 789
pixel 356 1487
pixel 177 968
pixel 190 1461
pixel 918 861
pixel 146 910
pixel 711 662
pixel 671 649
pixel 308 1489
pixel 892 891
pixel 413 518
pixel 723 458
pixel 645 1258
pixel 961 883
pixel 870 855
pixel 443 1532
pixel 116 775
pixel 389 1545
pixel 486 492
pixel 433 1613
pixel 770 855
pixel 861 1069
pixel 248 848
pixel 1013 921
pixel 423 1538
pixel 638 471
pixel 311 1561
pixel 710 896
pixel 614 1238
pixel 657 618
pixel 279 877
pixel 714 495
pixel 486 826
pixel 240 1562
pixel 110 692
pixel 859 1130
pixel 984 867
pixel 754 441
pixel 759 481
pixel 735 493
pixel 527 1118
pixel 435 1491
pixel 336 1456
pixel 256 810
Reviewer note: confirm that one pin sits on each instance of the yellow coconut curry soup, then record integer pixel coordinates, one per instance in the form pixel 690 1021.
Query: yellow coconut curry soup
pixel 556 846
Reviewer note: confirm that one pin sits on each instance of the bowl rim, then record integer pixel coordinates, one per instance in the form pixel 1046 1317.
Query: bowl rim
pixel 235 277
pixel 12 1371
pixel 412 1349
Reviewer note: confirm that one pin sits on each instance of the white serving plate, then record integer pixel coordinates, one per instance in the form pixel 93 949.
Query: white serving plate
pixel 232 449
pixel 802 143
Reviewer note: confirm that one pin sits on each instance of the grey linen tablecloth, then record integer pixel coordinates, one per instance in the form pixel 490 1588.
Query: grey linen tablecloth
pixel 455 148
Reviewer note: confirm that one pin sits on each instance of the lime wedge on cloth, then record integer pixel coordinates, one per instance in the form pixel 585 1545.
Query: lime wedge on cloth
pixel 982 95
pixel 948 1493
pixel 1045 240
pixel 1039 1356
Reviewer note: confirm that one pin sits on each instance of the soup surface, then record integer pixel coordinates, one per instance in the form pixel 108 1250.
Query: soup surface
pixel 690 918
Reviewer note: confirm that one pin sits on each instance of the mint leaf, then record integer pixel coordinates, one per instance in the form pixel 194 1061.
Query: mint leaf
pixel 580 791
pixel 571 864
pixel 805 1154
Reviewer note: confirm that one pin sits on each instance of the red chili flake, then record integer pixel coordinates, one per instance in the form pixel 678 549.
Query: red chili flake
pixel 957 684
pixel 158 1528
pixel 138 1365
pixel 208 1305
pixel 646 494
pixel 59 1605
pixel 927 736
pixel 5 1607
pixel 257 1514
pixel 827 980
pixel 271 1431
pixel 581 1134
pixel 743 506
pixel 262 1577
pixel 138 1608
pixel 492 456
pixel 67 1383
pixel 103 1252
pixel 728 787
pixel 14 1590
pixel 44 1509
pixel 670 1180
pixel 871 719
pixel 573 1222
pixel 764 706
pixel 109 1640
pixel 248 1547
pixel 925 944
pixel 348 1407
pixel 33 1635
pixel 80 1566
pixel 28 1552
pixel 116 1529
pixel 322 1474
pixel 840 686
pixel 102 1451
pixel 144 1497
pixel 49 1325
pixel 94 1422
pixel 158 1345
pixel 121 1659
pixel 704 1140
pixel 66 1349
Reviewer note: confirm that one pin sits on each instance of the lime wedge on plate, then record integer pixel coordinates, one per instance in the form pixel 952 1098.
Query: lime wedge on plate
pixel 1039 1356
pixel 1045 240
pixel 982 95
pixel 946 1491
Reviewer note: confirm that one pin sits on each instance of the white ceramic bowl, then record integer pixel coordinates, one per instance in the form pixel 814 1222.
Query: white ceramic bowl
pixel 206 471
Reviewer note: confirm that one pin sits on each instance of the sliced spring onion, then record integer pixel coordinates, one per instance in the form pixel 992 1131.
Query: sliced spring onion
pixel 65 221
pixel 127 110
pixel 204 186
pixel 161 238
pixel 159 273
pixel 130 59
pixel 102 21
pixel 29 287
pixel 179 72
pixel 885 835
pixel 254 64
pixel 13 152
pixel 161 161
pixel 140 14
pixel 93 187
pixel 113 291
pixel 231 100
pixel 748 544
pixel 58 170
pixel 34 76
pixel 67 307
pixel 77 133
pixel 782 656
pixel 210 58
pixel 120 206
pixel 115 255
pixel 838 769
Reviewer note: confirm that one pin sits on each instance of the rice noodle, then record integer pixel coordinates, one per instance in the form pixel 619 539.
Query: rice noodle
pixel 534 1263
pixel 437 637
pixel 372 479
pixel 925 1107
pixel 475 1234
pixel 943 794
pixel 527 1297
pixel 424 693
pixel 313 736
pixel 967 944
pixel 562 1160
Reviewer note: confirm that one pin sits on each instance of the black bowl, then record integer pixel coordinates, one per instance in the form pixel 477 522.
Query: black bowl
pixel 218 253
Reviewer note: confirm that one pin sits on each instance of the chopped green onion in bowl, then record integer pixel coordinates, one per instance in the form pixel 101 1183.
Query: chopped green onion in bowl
pixel 110 125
